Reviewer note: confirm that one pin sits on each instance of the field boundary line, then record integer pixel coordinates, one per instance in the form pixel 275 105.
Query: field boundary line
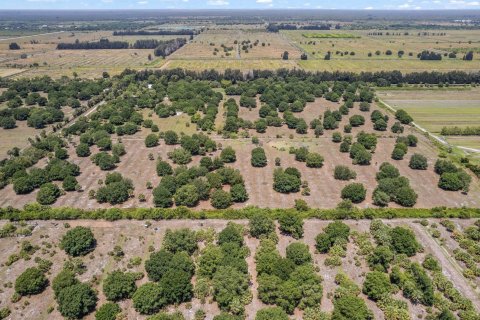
pixel 31 36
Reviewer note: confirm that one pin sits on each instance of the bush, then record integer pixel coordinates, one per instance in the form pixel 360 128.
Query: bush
pixel 31 281
pixel 261 225
pixel 376 285
pixel 64 279
pixel 78 241
pixel 180 156
pixel 418 162
pixel 271 313
pixel 104 160
pixel 314 160
pixel 259 159
pixel 402 116
pixel 176 286
pixel 350 307
pixel 357 120
pixel 454 181
pixel 344 173
pixel 108 311
pixel 406 196
pixel 164 168
pixel 151 140
pixel 170 137
pixel 228 155
pixel 76 301
pixel 119 285
pixel 23 185
pixel 186 195
pixel 48 194
pixel 284 182
pixel 403 241
pixel 298 253
pixel 70 184
pixel 239 193
pixel 180 240
pixel 398 153
pixel 291 225
pixel 149 298
pixel 116 190
pixel 335 230
pixel 220 199
pixel 354 192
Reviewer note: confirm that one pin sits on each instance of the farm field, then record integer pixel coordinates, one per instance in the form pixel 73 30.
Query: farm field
pixel 435 109
pixel 137 240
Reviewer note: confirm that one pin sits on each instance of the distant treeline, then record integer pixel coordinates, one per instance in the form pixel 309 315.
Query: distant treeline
pixel 146 44
pixel 429 55
pixel 456 131
pixel 102 44
pixel 274 27
pixel 182 32
pixel 381 78
pixel 166 48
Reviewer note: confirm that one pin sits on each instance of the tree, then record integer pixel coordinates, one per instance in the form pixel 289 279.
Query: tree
pixel 291 225
pixel 260 225
pixel 23 185
pixel 70 184
pixel 149 298
pixel 220 199
pixel 48 194
pixel 406 196
pixel 284 182
pixel 64 279
pixel 7 122
pixel 259 159
pixel 403 241
pixel 298 253
pixel 355 192
pixel 170 137
pixel 119 285
pixel 314 160
pixel 239 193
pixel 162 197
pixel 13 46
pixel 104 160
pixel 180 156
pixel 186 195
pixel 335 230
pixel 380 258
pixel 180 240
pixel 285 55
pixel 151 140
pixel 76 301
pixel 454 181
pixel 228 155
pixel 229 284
pixel 116 190
pixel 344 173
pixel 271 313
pixel 350 307
pixel 376 285
pixel 78 241
pixel 31 281
pixel 162 261
pixel 176 286
pixel 398 153
pixel 356 120
pixel 108 311
pixel 163 168
pixel 402 116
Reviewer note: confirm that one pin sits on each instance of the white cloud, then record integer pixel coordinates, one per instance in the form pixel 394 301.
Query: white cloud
pixel 42 0
pixel 107 1
pixel 264 1
pixel 218 3
pixel 368 8
pixel 142 2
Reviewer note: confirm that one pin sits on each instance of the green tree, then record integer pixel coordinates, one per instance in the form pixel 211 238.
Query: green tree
pixel 298 252
pixel 344 173
pixel 76 301
pixel 176 286
pixel 350 307
pixel 70 184
pixel 259 159
pixel 149 298
pixel 239 193
pixel 314 160
pixel 354 192
pixel 108 311
pixel 228 155
pixel 261 224
pixel 151 140
pixel 403 241
pixel 162 197
pixel 31 281
pixel 170 137
pixel 376 285
pixel 291 225
pixel 78 241
pixel 48 194
pixel 164 168
pixel 186 195
pixel 221 199
pixel 180 240
pixel 119 285
pixel 272 313
pixel 418 162
pixel 65 278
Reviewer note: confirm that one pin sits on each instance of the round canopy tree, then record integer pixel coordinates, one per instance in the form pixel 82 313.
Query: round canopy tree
pixel 78 241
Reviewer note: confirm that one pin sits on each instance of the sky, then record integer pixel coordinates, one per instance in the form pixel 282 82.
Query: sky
pixel 241 4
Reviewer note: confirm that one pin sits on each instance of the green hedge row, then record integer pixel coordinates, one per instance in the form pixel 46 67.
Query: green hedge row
pixel 39 212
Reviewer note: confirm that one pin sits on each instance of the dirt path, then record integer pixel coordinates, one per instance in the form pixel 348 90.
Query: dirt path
pixel 256 304
pixel 450 268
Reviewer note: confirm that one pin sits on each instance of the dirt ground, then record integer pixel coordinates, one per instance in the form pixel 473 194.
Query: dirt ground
pixel 135 238
pixel 325 190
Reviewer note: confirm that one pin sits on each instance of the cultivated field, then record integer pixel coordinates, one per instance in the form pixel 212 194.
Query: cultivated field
pixel 138 240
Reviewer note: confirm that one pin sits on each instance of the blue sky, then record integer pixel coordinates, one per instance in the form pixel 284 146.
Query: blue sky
pixel 241 4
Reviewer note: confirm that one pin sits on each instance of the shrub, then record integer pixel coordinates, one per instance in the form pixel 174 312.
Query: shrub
pixel 260 224
pixel 298 253
pixel 170 137
pixel 48 194
pixel 454 181
pixel 220 199
pixel 314 160
pixel 335 230
pixel 284 182
pixel 397 128
pixel 291 225
pixel 398 153
pixel 151 140
pixel 31 281
pixel 403 241
pixel 116 190
pixel 78 241
pixel 76 301
pixel 354 192
pixel 149 298
pixel 228 155
pixel 259 158
pixel 271 313
pixel 180 240
pixel 164 168
pixel 119 285
pixel 402 116
pixel 180 156
pixel 64 279
pixel 344 173
pixel 108 311
pixel 356 120
pixel 349 306
pixel 186 195
pixel 176 286
pixel 70 184
pixel 239 193
pixel 23 185
pixel 104 160
pixel 376 285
